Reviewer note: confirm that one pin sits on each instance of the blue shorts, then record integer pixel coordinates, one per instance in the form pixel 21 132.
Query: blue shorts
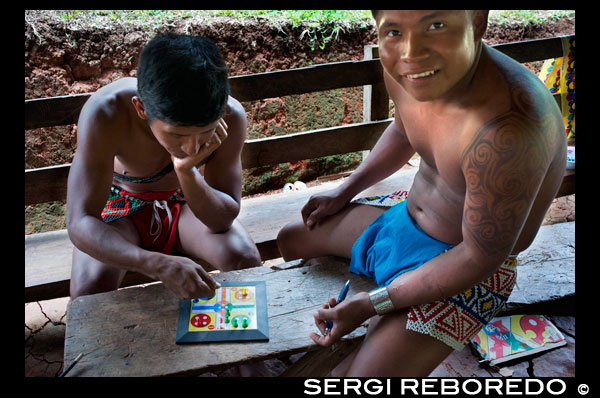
pixel 393 244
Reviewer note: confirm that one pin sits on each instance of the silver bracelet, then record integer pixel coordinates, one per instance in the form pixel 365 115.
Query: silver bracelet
pixel 381 300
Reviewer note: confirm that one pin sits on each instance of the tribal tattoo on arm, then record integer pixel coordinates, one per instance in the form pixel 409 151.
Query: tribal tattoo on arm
pixel 504 167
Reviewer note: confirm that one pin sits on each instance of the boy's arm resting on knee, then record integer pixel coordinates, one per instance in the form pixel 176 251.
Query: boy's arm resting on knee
pixel 215 197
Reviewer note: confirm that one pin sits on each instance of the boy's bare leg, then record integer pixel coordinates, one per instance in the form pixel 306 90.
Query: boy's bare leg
pixel 334 235
pixel 226 251
pixel 90 276
pixel 390 350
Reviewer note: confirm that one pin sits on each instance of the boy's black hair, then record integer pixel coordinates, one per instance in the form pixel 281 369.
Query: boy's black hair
pixel 182 80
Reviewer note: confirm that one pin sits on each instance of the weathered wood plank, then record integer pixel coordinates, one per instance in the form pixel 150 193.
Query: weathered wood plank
pixel 546 270
pixel 532 50
pixel 54 111
pixel 46 184
pixel 306 80
pixel 64 110
pixel 322 360
pixel 567 187
pixel 312 144
pixel 131 332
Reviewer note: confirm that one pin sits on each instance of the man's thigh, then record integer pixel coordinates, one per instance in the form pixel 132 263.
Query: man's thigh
pixel 389 349
pixel 336 234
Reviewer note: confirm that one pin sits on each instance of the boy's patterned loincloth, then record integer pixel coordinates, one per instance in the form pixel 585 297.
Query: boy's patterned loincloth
pixel 155 215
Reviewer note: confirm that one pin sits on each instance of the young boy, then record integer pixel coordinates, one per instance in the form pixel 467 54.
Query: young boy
pixel 493 152
pixel 158 169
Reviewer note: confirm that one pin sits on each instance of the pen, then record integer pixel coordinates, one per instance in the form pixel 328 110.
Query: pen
pixel 341 298
pixel 71 365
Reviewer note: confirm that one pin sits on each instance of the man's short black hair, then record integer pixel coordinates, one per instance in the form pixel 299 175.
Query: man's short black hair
pixel 182 80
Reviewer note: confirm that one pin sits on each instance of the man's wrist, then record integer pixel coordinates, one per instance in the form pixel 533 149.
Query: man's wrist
pixel 381 301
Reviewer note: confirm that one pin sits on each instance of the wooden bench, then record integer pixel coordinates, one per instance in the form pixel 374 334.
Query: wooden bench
pixel 48 255
pixel 131 332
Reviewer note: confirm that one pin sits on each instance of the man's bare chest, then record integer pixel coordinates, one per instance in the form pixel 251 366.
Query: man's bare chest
pixel 140 156
pixel 440 142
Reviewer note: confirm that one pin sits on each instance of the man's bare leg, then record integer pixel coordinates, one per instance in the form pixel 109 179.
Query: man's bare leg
pixel 90 276
pixel 390 350
pixel 334 235
pixel 226 251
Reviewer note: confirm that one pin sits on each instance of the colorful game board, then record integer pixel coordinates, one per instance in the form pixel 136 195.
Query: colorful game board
pixel 237 311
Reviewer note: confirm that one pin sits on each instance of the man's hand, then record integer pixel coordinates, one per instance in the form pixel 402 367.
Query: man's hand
pixel 320 206
pixel 346 316
pixel 215 141
pixel 186 278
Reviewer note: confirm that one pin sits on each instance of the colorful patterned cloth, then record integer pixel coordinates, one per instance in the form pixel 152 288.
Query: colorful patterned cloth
pixel 558 75
pixel 383 200
pixel 155 215
pixel 457 319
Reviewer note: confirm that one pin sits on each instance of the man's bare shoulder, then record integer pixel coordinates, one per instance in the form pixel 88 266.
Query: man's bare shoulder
pixel 109 105
pixel 528 95
pixel 235 117
pixel 234 109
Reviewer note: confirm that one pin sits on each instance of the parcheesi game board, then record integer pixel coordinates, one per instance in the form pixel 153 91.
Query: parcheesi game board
pixel 237 311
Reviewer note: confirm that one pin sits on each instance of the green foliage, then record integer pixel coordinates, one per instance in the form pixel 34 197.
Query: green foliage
pixel 539 17
pixel 321 26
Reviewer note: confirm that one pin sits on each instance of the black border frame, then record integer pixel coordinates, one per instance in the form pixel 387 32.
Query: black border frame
pixel 262 321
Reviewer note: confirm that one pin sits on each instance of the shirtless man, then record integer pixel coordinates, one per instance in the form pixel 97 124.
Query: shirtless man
pixel 175 117
pixel 493 150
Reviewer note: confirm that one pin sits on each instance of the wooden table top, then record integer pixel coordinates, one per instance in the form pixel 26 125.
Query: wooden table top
pixel 131 332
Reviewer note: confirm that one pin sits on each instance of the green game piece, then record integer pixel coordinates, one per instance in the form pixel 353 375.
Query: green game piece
pixel 245 323
pixel 234 323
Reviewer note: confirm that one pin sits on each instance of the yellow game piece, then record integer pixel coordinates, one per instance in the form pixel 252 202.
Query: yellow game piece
pixel 244 292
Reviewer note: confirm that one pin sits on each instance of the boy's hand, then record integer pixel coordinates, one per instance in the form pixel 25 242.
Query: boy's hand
pixel 215 141
pixel 185 278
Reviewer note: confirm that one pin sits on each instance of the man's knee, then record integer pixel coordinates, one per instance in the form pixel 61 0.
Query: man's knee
pixel 84 286
pixel 242 254
pixel 289 239
pixel 88 276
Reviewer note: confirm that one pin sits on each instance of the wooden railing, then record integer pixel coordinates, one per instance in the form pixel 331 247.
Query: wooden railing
pixel 50 183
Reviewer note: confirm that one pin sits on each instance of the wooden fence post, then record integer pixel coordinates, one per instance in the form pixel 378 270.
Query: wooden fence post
pixel 376 102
